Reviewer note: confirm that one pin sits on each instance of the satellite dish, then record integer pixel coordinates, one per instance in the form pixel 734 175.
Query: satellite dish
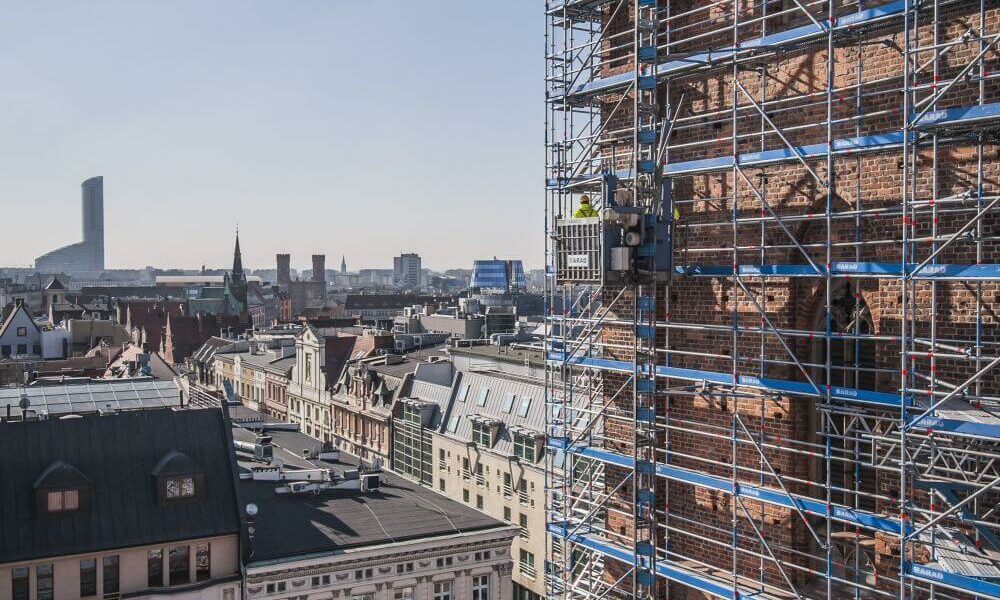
pixel 251 509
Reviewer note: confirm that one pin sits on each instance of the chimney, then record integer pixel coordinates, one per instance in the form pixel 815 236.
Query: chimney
pixel 319 267
pixel 284 269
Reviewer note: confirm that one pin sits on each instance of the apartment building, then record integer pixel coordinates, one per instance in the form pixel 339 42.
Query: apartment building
pixel 478 437
pixel 362 405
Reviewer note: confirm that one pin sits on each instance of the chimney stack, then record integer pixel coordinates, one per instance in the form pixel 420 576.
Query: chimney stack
pixel 284 269
pixel 319 267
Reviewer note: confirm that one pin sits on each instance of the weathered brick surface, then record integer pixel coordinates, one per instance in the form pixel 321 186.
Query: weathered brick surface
pixel 702 520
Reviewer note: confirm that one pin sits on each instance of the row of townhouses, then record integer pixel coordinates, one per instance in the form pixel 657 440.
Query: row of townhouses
pixel 466 422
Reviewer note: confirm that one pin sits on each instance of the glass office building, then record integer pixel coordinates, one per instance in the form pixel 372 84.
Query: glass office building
pixel 506 275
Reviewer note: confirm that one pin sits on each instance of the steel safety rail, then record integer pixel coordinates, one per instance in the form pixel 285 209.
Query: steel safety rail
pixel 939 119
pixel 785 386
pixel 664 568
pixel 796 35
pixel 848 269
pixel 843 514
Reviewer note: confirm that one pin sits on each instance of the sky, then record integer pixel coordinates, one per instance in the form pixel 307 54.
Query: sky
pixel 344 127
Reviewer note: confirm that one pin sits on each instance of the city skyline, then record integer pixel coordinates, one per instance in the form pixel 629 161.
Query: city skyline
pixel 202 117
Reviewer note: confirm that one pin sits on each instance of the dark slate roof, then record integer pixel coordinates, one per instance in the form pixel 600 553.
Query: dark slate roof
pixel 117 453
pixel 400 510
pixel 55 284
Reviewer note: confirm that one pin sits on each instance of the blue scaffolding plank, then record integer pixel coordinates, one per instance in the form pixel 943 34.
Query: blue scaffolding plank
pixel 957 426
pixel 794 35
pixel 664 568
pixel 769 384
pixel 846 269
pixel 754 159
pixel 784 386
pixel 774 497
pixel 941 118
pixel 968 115
pixel 978 587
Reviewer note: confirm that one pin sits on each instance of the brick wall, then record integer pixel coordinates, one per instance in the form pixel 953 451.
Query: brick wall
pixel 705 235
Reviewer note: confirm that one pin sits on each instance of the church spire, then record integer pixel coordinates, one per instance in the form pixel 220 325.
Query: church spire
pixel 236 281
pixel 237 258
pixel 343 264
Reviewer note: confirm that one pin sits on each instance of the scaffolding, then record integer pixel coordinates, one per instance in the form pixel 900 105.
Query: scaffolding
pixel 802 399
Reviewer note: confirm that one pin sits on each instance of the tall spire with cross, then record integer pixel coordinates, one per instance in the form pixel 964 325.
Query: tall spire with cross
pixel 237 257
pixel 237 279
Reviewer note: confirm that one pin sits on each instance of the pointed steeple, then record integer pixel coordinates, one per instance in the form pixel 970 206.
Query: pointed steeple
pixel 237 258
pixel 235 282
pixel 343 264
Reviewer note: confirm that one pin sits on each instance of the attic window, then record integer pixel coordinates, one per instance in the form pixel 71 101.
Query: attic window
pixel 522 410
pixel 508 402
pixel 62 501
pixel 61 488
pixel 481 434
pixel 177 477
pixel 180 487
pixel 484 393
pixel 453 424
pixel 527 445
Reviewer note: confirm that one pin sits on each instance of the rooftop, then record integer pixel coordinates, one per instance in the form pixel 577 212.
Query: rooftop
pixel 112 459
pixel 90 396
pixel 398 511
pixel 509 353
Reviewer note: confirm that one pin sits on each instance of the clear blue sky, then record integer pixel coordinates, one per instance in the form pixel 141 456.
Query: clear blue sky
pixel 354 127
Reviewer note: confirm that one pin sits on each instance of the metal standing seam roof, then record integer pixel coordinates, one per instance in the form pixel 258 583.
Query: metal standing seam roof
pixel 93 396
pixel 435 394
pixel 116 454
pixel 500 388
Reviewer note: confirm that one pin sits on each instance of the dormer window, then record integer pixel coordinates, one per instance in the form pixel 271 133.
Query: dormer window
pixel 180 487
pixel 177 478
pixel 61 488
pixel 481 434
pixel 527 445
pixel 484 431
pixel 62 501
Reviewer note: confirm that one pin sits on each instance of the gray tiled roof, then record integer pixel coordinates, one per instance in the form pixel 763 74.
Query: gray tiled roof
pixel 117 454
pixel 92 396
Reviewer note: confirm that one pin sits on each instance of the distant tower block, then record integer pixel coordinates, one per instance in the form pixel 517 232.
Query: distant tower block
pixel 319 267
pixel 93 219
pixel 284 269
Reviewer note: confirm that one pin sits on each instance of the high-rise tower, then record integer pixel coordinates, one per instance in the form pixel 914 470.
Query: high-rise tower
pixel 86 256
pixel 92 193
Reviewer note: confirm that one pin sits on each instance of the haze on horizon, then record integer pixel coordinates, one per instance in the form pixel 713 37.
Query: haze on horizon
pixel 350 128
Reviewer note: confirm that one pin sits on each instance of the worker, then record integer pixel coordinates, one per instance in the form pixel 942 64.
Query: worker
pixel 585 209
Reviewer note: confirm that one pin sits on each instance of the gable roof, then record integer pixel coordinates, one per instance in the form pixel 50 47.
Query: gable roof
pixel 117 453
pixel 55 284
pixel 18 308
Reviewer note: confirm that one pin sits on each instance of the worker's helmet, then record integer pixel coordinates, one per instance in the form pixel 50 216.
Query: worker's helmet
pixel 585 199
